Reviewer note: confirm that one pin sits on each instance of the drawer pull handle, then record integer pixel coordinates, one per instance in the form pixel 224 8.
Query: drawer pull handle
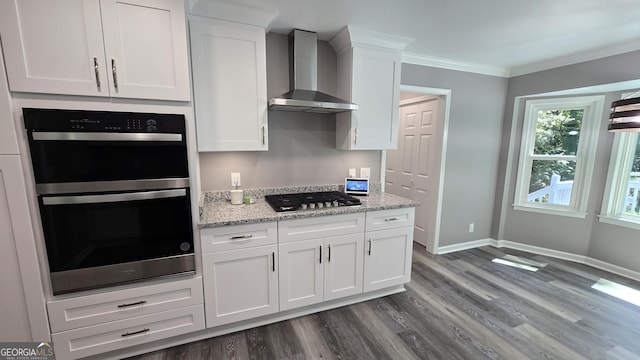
pixel 320 254
pixel 127 334
pixel 273 261
pixel 141 302
pixel 239 237
pixel 392 219
pixel 329 259
pixel 369 246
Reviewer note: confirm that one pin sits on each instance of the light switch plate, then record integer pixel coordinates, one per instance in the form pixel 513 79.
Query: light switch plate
pixel 352 172
pixel 365 173
pixel 235 180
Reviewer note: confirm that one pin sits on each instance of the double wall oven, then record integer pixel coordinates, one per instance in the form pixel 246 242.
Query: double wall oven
pixel 114 196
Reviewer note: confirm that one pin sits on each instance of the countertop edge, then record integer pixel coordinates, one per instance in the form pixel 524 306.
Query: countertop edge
pixel 377 204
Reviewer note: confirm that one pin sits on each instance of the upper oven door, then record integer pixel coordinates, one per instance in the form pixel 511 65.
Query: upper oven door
pixel 81 146
pixel 60 157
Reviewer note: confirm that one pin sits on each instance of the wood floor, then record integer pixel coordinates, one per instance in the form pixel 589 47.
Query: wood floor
pixel 457 306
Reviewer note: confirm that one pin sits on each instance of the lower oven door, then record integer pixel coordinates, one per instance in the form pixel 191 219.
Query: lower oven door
pixel 96 240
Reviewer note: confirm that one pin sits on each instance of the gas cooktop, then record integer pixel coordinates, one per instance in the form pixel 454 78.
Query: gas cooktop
pixel 312 200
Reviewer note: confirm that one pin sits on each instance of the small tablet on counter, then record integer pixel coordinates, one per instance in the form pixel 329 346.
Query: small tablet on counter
pixel 356 186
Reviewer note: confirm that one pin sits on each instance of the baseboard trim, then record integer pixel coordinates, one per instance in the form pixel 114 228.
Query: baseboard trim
pixel 618 270
pixel 598 264
pixel 466 246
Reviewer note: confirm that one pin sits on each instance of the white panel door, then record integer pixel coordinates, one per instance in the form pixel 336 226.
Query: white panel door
pixel 146 47
pixel 240 284
pixel 412 170
pixel 54 46
pixel 229 85
pixel 343 266
pixel 387 259
pixel 301 273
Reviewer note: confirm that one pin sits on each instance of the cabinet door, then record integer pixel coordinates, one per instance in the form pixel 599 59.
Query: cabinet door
pixel 343 266
pixel 8 140
pixel 374 126
pixel 54 46
pixel 146 49
pixel 387 259
pixel 229 86
pixel 301 277
pixel 240 284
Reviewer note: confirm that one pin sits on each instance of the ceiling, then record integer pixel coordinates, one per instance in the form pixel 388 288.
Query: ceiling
pixel 513 36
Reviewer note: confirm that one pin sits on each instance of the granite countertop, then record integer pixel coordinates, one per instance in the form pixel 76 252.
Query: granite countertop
pixel 216 212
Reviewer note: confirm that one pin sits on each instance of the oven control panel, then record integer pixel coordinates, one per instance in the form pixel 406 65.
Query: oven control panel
pixel 102 121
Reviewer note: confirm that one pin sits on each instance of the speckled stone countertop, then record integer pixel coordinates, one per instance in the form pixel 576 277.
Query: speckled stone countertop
pixel 216 212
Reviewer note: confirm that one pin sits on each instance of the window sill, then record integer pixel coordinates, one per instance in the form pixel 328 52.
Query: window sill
pixel 619 222
pixel 551 211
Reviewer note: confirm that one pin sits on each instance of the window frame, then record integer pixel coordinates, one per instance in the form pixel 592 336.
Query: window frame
pixel 584 158
pixel 622 154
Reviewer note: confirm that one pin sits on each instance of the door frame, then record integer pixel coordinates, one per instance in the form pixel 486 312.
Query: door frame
pixel 445 94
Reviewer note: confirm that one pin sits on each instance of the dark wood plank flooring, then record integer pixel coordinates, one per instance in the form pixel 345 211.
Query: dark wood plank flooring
pixel 457 306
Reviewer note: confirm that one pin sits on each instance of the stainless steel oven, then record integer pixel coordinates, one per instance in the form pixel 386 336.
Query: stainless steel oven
pixel 114 196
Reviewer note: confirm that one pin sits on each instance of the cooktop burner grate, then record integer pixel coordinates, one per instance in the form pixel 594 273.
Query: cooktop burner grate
pixel 311 200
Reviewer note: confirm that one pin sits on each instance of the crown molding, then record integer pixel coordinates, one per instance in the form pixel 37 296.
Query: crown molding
pixel 233 12
pixel 576 58
pixel 418 59
pixel 352 36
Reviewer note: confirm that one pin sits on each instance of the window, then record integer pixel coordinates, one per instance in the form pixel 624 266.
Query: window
pixel 559 138
pixel 622 207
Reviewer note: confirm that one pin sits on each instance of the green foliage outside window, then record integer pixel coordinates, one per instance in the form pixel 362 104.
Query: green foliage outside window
pixel 557 133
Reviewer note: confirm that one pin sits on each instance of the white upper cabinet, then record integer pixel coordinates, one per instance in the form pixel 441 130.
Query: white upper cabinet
pixel 8 140
pixel 369 75
pixel 229 85
pixel 117 48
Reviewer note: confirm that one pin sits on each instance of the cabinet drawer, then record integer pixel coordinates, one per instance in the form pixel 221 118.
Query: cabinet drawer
pixel 238 237
pixel 96 309
pixel 116 335
pixel 390 219
pixel 320 227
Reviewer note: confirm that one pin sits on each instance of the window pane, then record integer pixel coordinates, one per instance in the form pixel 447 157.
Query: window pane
pixel 551 182
pixel 632 197
pixel 558 132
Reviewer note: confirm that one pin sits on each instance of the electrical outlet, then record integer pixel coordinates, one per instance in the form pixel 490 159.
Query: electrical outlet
pixel 235 180
pixel 352 172
pixel 471 227
pixel 365 173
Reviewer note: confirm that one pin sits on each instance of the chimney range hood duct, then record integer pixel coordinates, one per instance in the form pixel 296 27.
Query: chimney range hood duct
pixel 303 79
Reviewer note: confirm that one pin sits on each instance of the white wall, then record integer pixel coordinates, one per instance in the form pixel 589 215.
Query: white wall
pixel 473 147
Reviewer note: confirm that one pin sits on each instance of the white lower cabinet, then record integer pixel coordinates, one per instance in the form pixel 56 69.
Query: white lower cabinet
pixel 240 271
pixel 321 269
pixel 93 324
pixel 92 340
pixel 388 250
pixel 240 284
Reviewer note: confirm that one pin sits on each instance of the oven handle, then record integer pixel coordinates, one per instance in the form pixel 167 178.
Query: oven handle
pixel 94 136
pixel 105 198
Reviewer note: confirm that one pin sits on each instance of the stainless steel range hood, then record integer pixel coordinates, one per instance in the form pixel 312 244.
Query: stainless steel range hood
pixel 303 79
